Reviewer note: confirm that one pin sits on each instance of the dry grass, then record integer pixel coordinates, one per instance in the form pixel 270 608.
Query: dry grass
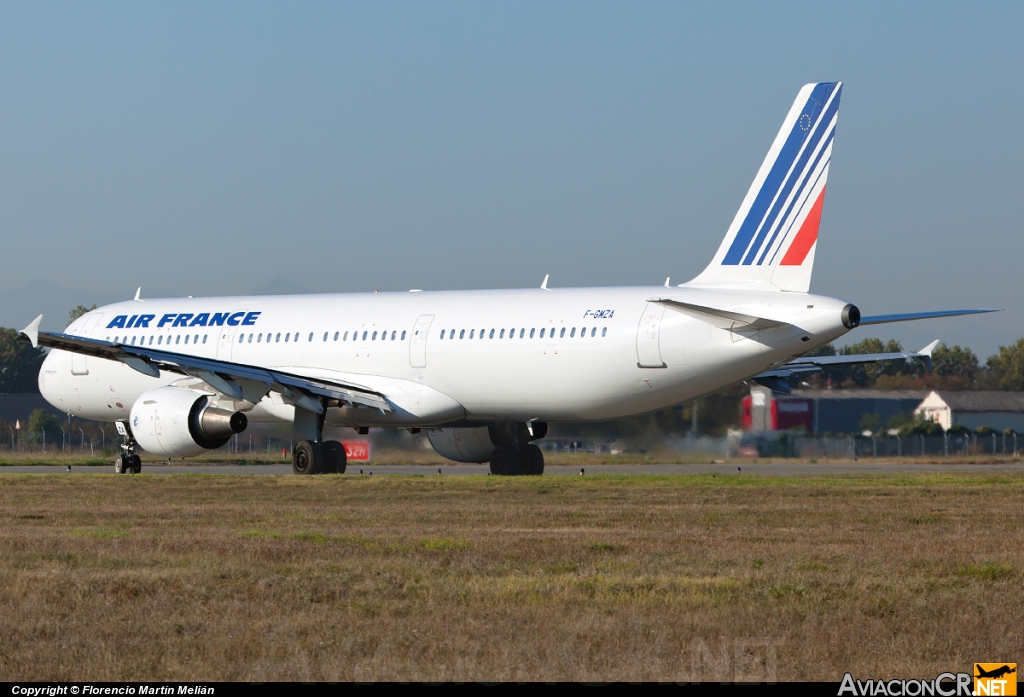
pixel 420 578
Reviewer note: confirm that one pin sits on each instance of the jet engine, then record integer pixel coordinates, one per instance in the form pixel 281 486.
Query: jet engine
pixel 463 444
pixel 479 444
pixel 178 422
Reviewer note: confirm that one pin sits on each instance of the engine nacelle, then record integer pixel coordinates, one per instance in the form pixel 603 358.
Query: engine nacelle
pixel 178 422
pixel 463 444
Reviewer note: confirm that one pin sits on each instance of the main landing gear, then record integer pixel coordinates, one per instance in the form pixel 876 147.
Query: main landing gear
pixel 313 454
pixel 516 454
pixel 313 457
pixel 128 462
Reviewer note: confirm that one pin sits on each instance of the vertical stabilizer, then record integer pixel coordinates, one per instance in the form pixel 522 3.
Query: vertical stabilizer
pixel 771 242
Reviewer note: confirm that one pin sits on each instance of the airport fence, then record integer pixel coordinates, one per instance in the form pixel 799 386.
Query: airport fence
pixel 738 444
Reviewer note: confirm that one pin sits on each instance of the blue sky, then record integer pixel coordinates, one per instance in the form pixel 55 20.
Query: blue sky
pixel 208 148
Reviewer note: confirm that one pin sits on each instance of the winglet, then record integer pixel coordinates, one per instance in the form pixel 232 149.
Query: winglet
pixel 926 353
pixel 138 292
pixel 927 350
pixel 544 283
pixel 31 332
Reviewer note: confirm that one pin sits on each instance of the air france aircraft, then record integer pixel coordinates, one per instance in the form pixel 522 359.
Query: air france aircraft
pixel 484 371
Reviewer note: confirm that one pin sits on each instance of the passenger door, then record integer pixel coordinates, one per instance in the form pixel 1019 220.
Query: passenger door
pixel 418 341
pixel 648 337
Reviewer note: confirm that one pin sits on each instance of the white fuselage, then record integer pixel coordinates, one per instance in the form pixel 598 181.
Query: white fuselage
pixel 606 353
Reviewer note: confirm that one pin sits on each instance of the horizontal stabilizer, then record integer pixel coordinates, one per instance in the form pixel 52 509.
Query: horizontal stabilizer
pixel 723 319
pixel 886 319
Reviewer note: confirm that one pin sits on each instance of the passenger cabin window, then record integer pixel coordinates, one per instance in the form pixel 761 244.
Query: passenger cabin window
pixel 442 333
pixel 561 334
pixel 521 333
pixel 364 336
pixel 325 336
pixel 593 331
pixel 491 335
pixel 542 332
pixel 186 339
pixel 572 333
pixel 403 335
pixel 345 338
pixel 250 338
pixel 335 336
pixel 393 334
pixel 311 336
pixel 604 331
pixel 531 332
pixel 462 333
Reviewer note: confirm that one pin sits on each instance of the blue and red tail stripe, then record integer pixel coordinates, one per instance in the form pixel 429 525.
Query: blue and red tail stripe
pixel 793 164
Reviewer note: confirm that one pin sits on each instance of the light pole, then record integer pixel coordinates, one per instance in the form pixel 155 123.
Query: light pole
pixel 11 429
pixel 82 431
pixel 103 439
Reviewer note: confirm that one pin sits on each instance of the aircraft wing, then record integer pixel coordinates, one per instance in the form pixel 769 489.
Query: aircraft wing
pixel 776 378
pixel 235 380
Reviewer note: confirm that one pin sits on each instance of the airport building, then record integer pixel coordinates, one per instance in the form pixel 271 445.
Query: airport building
pixel 850 411
pixel 18 407
pixel 826 411
pixel 996 409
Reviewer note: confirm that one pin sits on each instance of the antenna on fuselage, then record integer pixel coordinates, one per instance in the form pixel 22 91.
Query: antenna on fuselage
pixel 544 283
pixel 138 292
pixel 667 279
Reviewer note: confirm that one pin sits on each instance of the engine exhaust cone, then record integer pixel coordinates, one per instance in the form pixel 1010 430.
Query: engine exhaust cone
pixel 851 316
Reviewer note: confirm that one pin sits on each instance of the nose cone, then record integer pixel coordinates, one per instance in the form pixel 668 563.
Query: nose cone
pixel 49 383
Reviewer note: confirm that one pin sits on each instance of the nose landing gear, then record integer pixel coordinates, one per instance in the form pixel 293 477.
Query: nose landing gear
pixel 128 462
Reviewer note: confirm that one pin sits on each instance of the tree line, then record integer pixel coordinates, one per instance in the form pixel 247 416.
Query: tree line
pixel 953 368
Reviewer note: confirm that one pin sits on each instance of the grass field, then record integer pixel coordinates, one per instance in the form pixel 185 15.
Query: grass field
pixel 432 578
